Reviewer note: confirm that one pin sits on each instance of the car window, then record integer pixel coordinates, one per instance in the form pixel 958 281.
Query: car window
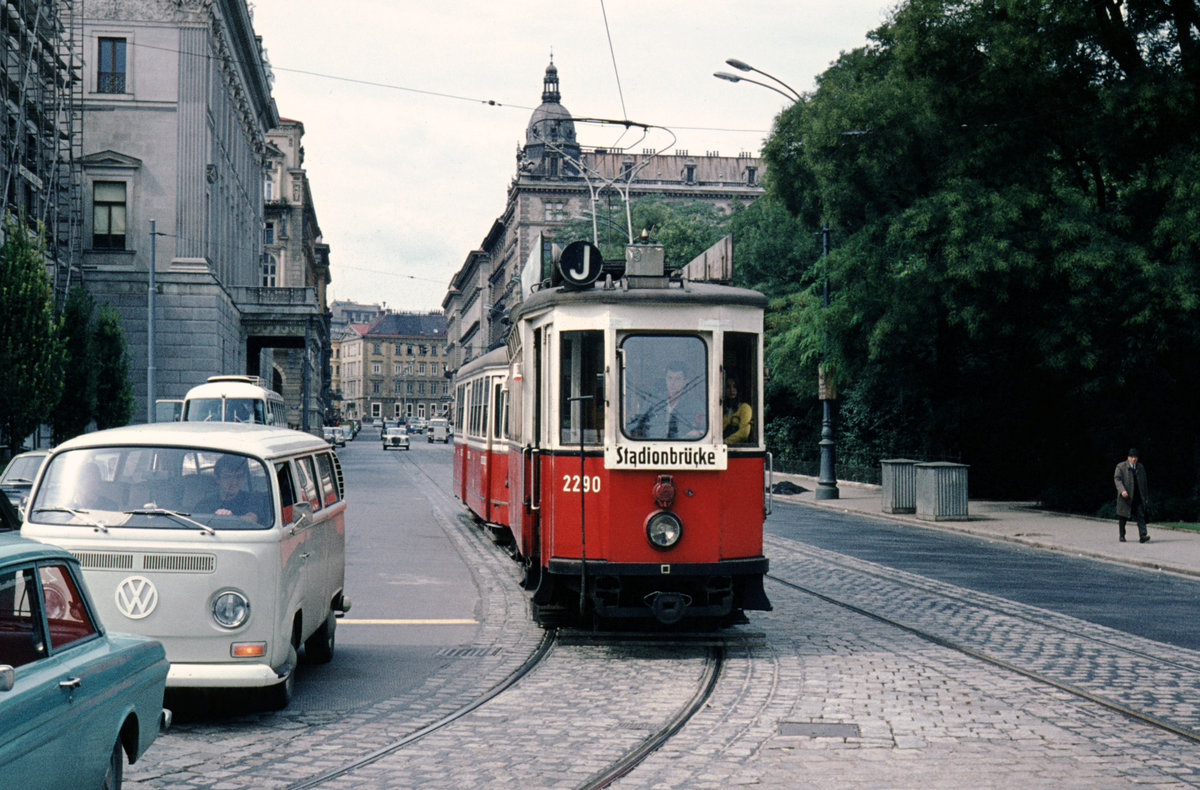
pixel 67 614
pixel 328 484
pixel 308 481
pixel 287 490
pixel 22 639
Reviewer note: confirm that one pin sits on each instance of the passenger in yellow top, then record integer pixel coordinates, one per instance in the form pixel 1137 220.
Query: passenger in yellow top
pixel 738 416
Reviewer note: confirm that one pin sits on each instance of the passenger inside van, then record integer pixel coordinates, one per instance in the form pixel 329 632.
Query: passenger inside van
pixel 233 498
pixel 88 491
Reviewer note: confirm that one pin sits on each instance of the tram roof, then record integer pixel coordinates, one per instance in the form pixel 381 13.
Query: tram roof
pixel 677 294
pixel 497 357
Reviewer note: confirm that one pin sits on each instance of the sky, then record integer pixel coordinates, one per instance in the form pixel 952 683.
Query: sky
pixel 413 111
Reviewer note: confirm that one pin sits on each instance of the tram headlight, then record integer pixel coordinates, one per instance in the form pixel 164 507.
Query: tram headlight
pixel 230 609
pixel 663 529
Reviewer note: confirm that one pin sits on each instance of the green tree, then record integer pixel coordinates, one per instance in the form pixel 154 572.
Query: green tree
pixel 685 228
pixel 1012 189
pixel 114 393
pixel 31 350
pixel 78 402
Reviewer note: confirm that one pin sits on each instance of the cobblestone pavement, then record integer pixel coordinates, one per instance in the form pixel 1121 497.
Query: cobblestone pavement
pixel 274 750
pixel 829 698
pixel 840 700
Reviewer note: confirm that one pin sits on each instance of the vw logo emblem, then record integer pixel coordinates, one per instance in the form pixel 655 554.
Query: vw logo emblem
pixel 136 597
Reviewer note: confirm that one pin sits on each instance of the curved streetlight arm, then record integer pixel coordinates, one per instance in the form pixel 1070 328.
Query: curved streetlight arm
pixel 741 65
pixel 724 75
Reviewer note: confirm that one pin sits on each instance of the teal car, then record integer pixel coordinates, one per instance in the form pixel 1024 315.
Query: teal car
pixel 76 702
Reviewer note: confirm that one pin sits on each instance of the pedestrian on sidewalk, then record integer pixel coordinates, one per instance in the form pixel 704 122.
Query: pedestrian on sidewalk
pixel 1133 495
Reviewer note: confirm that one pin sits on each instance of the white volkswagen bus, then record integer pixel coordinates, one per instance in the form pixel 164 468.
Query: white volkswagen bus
pixel 226 542
pixel 234 399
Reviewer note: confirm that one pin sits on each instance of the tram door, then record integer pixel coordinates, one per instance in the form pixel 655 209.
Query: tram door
pixel 542 377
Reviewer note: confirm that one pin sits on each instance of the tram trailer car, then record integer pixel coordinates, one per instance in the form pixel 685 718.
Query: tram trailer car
pixel 598 439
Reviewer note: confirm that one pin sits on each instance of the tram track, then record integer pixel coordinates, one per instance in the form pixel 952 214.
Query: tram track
pixel 1185 674
pixel 367 759
pixel 563 641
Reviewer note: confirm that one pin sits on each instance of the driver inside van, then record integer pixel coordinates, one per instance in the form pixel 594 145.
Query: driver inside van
pixel 233 498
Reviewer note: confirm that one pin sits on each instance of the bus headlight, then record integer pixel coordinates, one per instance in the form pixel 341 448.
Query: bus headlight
pixel 663 529
pixel 230 609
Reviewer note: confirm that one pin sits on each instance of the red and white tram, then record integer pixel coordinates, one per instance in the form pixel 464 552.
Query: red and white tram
pixel 618 439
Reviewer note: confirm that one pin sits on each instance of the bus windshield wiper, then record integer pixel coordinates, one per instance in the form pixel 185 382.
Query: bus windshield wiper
pixel 82 515
pixel 183 518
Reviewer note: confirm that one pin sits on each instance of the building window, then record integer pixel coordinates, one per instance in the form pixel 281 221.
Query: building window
pixel 108 215
pixel 269 233
pixel 751 175
pixel 376 368
pixel 268 188
pixel 377 348
pixel 689 174
pixel 376 388
pixel 269 269
pixel 111 76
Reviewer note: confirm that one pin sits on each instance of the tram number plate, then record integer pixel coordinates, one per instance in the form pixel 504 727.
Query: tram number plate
pixel 588 484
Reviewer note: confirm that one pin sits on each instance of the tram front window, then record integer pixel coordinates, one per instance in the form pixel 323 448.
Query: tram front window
pixel 664 387
pixel 581 390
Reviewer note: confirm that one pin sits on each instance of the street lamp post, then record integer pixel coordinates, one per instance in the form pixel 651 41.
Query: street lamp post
pixel 826 478
pixel 792 94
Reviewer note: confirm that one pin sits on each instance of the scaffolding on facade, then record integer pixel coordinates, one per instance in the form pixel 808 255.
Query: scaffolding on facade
pixel 41 128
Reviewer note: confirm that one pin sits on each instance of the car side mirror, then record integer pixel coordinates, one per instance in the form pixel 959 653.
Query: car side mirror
pixel 301 513
pixel 8 677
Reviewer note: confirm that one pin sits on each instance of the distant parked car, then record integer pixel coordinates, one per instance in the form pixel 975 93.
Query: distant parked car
pixel 19 475
pixel 347 432
pixel 76 701
pixel 416 425
pixel 334 436
pixel 395 437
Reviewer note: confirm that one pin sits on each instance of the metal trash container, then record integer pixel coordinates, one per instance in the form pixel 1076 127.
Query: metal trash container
pixel 899 485
pixel 942 491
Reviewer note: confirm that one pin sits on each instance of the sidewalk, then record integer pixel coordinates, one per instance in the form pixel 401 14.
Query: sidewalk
pixel 1177 551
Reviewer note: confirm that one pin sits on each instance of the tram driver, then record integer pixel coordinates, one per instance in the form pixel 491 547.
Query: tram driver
pixel 679 410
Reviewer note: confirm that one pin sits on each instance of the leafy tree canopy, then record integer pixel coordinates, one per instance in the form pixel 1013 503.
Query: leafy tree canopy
pixel 1012 190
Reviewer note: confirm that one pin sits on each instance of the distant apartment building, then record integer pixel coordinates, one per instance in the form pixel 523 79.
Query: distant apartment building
pixel 394 366
pixel 553 182
pixel 178 109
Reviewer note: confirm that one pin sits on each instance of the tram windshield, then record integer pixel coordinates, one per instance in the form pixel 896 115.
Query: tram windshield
pixel 664 387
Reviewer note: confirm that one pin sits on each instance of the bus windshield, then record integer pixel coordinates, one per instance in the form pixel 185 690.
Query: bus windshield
pixel 225 410
pixel 154 487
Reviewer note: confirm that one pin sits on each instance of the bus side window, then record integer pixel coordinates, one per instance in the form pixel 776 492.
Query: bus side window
pixel 287 490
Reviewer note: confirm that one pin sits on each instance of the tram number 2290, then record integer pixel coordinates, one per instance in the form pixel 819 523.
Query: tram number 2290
pixel 589 484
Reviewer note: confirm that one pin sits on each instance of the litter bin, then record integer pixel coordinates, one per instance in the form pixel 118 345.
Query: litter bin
pixel 899 485
pixel 942 491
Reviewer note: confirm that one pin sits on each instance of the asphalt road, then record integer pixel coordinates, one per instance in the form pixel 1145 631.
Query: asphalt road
pixel 413 597
pixel 1152 604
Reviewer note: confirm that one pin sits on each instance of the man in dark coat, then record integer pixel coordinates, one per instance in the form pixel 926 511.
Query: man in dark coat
pixel 1133 495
